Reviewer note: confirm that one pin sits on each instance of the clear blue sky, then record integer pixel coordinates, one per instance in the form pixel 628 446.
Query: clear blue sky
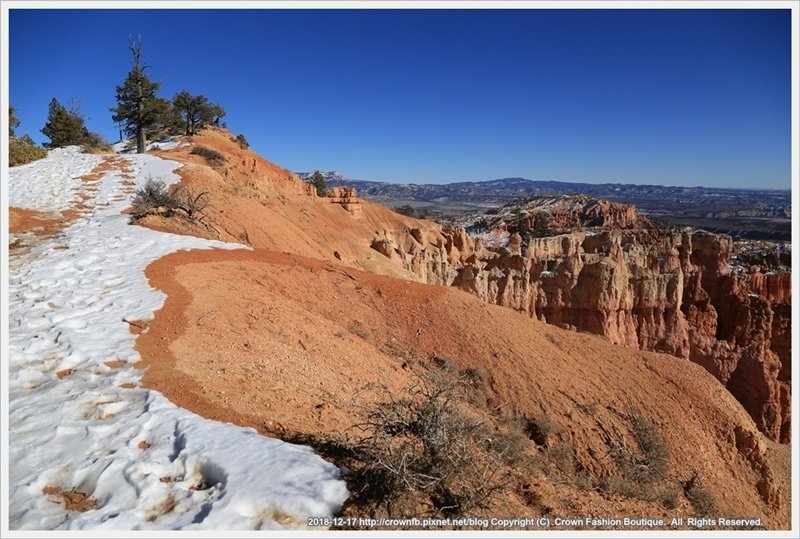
pixel 676 97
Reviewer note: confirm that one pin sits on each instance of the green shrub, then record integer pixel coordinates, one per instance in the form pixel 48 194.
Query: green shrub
pixel 65 127
pixel 242 141
pixel 407 210
pixel 95 142
pixel 20 151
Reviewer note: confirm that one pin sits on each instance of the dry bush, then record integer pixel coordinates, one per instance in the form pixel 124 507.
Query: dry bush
pixel 422 453
pixel 651 462
pixel 701 499
pixel 212 156
pixel 642 470
pixel 565 465
pixel 361 331
pixel 151 197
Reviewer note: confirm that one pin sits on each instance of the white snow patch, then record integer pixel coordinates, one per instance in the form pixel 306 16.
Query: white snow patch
pixel 494 239
pixel 129 146
pixel 48 184
pixel 83 431
pixel 170 144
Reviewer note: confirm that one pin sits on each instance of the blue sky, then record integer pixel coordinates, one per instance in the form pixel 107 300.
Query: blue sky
pixel 675 97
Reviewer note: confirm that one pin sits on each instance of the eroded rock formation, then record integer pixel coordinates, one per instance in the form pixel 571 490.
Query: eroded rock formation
pixel 346 197
pixel 659 290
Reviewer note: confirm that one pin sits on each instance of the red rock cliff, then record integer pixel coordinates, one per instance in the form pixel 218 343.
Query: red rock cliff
pixel 666 291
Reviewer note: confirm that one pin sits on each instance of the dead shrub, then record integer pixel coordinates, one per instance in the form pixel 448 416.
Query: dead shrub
pixel 393 348
pixel 192 204
pixel 422 453
pixel 477 376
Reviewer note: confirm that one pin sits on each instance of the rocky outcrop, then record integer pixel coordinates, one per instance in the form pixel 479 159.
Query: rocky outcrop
pixel 659 290
pixel 561 213
pixel 346 197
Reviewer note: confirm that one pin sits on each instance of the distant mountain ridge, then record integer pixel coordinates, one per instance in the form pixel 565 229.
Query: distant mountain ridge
pixel 726 210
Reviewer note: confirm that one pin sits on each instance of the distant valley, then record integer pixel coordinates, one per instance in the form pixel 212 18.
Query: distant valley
pixel 742 213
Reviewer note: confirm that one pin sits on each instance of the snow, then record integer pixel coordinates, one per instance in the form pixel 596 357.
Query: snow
pixel 47 184
pixel 494 239
pixel 170 143
pixel 83 431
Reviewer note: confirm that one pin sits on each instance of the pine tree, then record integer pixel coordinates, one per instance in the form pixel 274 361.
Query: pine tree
pixel 64 127
pixel 196 112
pixel 13 122
pixel 138 108
pixel 317 179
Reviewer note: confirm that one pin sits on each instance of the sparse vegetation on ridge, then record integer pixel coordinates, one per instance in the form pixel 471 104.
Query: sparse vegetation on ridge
pixel 22 149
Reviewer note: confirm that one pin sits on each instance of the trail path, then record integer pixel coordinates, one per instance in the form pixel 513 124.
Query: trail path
pixel 90 448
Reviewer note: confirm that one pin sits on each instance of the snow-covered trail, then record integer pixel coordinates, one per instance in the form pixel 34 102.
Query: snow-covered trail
pixel 142 461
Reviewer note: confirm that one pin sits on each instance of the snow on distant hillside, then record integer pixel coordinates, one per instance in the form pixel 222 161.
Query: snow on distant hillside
pixel 330 176
pixel 145 463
